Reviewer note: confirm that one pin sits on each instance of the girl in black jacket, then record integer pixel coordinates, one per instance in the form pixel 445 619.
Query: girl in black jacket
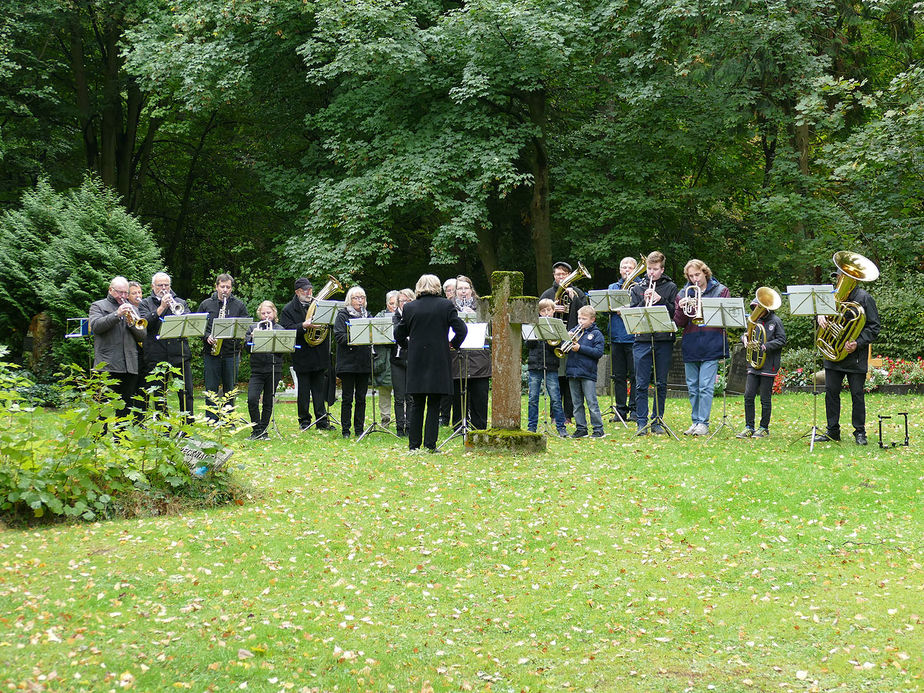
pixel 354 363
pixel 265 373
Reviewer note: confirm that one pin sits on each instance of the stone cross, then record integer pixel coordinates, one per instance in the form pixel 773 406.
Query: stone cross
pixel 507 310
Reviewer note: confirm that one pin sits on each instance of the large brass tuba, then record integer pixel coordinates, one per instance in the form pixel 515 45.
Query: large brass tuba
pixel 767 300
pixel 846 325
pixel 316 334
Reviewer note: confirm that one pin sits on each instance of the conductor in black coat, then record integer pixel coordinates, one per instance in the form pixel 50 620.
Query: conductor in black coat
pixel 424 332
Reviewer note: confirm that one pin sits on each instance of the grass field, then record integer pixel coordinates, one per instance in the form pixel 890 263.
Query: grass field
pixel 615 564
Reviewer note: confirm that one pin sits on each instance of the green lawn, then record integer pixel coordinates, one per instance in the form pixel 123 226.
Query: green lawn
pixel 618 564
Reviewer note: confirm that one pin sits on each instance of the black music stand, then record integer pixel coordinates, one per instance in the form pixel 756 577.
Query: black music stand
pixel 546 329
pixel 371 331
pixel 812 300
pixel 610 301
pixel 642 320
pixel 326 314
pixel 723 313
pixel 474 340
pixel 273 342
pixel 183 327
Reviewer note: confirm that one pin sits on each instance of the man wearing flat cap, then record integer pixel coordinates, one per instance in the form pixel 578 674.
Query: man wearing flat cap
pixel 560 270
pixel 310 363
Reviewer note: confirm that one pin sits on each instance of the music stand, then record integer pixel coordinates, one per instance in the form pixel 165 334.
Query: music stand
pixel 642 320
pixel 183 327
pixel 610 301
pixel 474 340
pixel 547 329
pixel 325 314
pixel 369 332
pixel 812 300
pixel 272 342
pixel 723 313
pixel 79 328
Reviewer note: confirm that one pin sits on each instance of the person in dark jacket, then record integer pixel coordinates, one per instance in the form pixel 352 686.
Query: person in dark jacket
pixel 450 409
pixel 115 340
pixel 471 369
pixel 542 367
pixel 135 296
pixel 174 351
pixel 403 401
pixel 381 362
pixel 621 343
pixel 423 330
pixel 265 373
pixel 761 379
pixel 560 271
pixel 581 369
pixel 354 363
pixel 656 289
pixel 310 363
pixel 854 367
pixel 702 347
pixel 220 371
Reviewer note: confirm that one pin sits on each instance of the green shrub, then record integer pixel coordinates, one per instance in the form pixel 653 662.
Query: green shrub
pixel 87 463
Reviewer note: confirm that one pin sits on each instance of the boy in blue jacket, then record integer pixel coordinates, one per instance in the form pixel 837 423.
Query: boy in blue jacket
pixel 581 371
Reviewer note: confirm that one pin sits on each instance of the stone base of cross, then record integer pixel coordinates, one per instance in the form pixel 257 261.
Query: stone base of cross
pixel 507 310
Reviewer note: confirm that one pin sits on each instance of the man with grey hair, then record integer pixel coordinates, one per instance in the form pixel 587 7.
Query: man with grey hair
pixel 115 335
pixel 175 351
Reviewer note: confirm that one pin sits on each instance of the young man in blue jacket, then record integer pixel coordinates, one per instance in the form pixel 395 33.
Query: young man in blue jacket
pixel 581 371
pixel 702 347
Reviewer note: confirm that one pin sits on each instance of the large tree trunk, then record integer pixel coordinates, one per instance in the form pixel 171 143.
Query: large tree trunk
pixel 111 125
pixel 487 250
pixel 82 93
pixel 539 214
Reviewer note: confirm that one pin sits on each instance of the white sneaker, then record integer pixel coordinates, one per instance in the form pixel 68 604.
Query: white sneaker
pixel 691 431
pixel 701 430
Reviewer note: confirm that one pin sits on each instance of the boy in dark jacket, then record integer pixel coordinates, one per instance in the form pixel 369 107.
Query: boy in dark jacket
pixel 581 371
pixel 761 379
pixel 542 367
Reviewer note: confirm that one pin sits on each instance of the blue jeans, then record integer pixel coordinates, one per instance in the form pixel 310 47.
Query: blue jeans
pixel 536 378
pixel 585 390
pixel 701 386
pixel 219 374
pixel 642 352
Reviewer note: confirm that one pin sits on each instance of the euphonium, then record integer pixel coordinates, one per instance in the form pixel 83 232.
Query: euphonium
pixel 639 270
pixel 767 300
pixel 264 325
pixel 216 347
pixel 316 334
pixel 847 324
pixel 574 336
pixel 694 309
pixel 561 294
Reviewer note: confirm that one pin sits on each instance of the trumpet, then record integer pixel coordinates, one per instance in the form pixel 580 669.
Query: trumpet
pixel 574 336
pixel 693 308
pixel 175 306
pixel 649 293
pixel 132 318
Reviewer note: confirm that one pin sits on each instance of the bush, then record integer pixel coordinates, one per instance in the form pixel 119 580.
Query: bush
pixel 87 463
pixel 798 367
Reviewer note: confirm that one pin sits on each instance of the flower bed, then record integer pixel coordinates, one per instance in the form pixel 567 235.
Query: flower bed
pixel 899 376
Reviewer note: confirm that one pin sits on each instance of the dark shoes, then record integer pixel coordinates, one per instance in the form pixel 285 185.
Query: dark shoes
pixel 258 435
pixel 345 434
pixel 579 434
pixel 860 437
pixel 827 437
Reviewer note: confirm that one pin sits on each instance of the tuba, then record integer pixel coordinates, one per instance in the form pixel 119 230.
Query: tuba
pixel 561 294
pixel 694 309
pixel 846 325
pixel 316 334
pixel 767 300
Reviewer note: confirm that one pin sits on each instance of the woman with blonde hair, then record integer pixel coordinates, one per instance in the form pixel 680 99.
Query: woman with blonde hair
pixel 354 363
pixel 265 373
pixel 423 330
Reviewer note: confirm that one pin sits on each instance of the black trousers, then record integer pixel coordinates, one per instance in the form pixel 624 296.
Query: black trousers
pixel 353 386
pixel 450 409
pixel 312 385
pixel 566 402
pixel 623 363
pixel 184 394
pixel 403 401
pixel 834 383
pixel 124 387
pixel 261 385
pixel 477 402
pixel 417 429
pixel 755 384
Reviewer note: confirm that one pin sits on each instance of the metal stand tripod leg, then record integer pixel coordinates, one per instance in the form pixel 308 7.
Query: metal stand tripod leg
pixel 724 390
pixel 657 419
pixel 463 428
pixel 374 427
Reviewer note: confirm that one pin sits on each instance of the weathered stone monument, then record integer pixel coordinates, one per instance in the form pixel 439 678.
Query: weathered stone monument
pixel 507 309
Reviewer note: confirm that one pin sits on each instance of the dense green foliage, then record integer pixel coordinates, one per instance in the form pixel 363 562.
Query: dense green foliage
pixel 374 140
pixel 70 466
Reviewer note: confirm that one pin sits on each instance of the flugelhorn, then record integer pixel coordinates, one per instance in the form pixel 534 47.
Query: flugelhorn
pixel 574 336
pixel 756 337
pixel 848 323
